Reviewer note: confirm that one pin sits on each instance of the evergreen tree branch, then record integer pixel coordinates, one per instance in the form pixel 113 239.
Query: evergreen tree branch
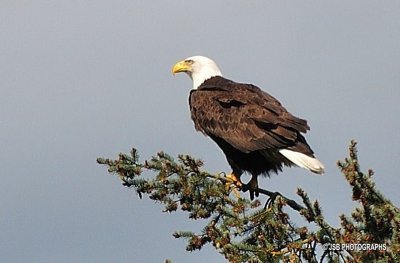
pixel 245 231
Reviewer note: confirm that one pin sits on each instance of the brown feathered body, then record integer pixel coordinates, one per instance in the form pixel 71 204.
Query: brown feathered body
pixel 249 125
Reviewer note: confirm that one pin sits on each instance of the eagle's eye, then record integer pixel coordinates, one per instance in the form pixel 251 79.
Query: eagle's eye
pixel 189 61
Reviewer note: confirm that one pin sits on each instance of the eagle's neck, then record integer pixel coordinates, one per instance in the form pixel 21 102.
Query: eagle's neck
pixel 205 74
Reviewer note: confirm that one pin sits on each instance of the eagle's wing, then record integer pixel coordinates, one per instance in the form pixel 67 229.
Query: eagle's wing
pixel 246 117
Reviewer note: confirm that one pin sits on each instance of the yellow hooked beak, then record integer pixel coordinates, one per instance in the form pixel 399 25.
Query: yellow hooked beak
pixel 182 66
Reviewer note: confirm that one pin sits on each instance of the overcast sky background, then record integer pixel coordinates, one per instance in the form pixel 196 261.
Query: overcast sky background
pixel 87 79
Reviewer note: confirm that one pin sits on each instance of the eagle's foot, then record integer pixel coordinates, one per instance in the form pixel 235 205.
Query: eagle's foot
pixel 232 179
pixel 252 187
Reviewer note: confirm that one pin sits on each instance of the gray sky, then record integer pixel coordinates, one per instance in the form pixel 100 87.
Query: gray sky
pixel 87 79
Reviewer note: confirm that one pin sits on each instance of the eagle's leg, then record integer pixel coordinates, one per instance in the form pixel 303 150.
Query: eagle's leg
pixel 252 187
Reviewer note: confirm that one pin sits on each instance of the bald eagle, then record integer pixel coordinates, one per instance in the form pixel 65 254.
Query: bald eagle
pixel 255 132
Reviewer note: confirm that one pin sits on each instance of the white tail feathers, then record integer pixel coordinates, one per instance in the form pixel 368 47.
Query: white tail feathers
pixel 304 161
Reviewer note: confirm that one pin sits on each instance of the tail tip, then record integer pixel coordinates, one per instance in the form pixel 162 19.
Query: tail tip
pixel 304 161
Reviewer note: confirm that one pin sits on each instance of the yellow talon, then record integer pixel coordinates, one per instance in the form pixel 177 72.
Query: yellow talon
pixel 234 180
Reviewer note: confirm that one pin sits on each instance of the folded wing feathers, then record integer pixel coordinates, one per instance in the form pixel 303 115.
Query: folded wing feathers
pixel 304 161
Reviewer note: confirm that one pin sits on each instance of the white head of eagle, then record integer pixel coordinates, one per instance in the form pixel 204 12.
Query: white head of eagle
pixel 255 132
pixel 199 69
